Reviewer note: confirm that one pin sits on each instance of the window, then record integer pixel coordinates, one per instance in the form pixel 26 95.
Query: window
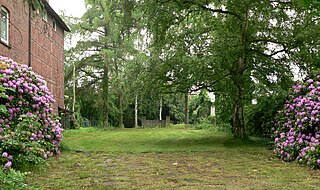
pixel 45 15
pixel 4 25
pixel 54 25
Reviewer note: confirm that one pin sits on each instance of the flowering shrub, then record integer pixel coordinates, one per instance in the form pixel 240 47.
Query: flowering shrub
pixel 297 127
pixel 28 131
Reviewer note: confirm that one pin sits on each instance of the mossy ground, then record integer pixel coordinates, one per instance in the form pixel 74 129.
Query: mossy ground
pixel 168 158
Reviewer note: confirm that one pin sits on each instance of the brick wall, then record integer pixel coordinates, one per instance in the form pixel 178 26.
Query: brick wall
pixel 18 32
pixel 47 55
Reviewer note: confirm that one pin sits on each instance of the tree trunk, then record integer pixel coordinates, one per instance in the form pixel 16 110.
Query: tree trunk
pixel 106 91
pixel 74 95
pixel 74 88
pixel 120 98
pixel 136 111
pixel 160 111
pixel 186 109
pixel 238 129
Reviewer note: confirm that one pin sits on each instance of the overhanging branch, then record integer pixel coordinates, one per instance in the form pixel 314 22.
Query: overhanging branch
pixel 205 7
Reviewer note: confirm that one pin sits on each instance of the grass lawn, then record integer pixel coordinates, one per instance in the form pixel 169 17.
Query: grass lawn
pixel 167 158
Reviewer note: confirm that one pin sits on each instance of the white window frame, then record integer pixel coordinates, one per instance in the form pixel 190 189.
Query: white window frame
pixel 7 14
pixel 44 15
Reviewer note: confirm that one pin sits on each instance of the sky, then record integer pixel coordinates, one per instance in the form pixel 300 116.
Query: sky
pixel 70 7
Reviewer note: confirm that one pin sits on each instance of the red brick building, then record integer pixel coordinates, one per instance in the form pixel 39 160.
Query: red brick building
pixel 36 39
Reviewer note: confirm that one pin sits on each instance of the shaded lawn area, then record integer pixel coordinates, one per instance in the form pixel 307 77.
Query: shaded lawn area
pixel 168 158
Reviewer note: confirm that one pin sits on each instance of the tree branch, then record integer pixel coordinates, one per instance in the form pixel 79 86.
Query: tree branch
pixel 268 40
pixel 88 85
pixel 183 17
pixel 88 73
pixel 269 55
pixel 221 11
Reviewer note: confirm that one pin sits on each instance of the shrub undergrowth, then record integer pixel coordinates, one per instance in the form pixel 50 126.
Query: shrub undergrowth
pixel 12 179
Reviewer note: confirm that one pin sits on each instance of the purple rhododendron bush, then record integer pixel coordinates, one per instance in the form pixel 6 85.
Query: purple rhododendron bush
pixel 29 132
pixel 297 126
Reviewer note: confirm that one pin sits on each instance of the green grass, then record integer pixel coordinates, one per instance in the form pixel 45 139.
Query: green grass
pixel 168 158
pixel 151 140
pixel 144 140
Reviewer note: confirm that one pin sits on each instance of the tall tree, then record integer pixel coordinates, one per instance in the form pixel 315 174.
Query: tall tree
pixel 227 46
pixel 104 46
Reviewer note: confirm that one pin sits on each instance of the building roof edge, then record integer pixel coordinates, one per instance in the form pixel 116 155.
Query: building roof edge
pixel 55 16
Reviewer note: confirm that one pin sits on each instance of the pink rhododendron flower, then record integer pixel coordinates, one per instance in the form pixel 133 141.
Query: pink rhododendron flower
pixel 8 164
pixel 5 154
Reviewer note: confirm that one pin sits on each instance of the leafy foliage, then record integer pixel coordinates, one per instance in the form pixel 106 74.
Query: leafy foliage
pixel 106 32
pixel 227 47
pixel 259 117
pixel 200 107
pixel 12 180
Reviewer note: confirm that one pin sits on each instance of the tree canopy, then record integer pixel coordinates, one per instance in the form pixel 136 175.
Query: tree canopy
pixel 132 50
pixel 229 47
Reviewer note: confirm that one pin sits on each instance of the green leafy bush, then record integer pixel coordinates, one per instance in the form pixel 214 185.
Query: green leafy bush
pixel 12 180
pixel 199 108
pixel 259 117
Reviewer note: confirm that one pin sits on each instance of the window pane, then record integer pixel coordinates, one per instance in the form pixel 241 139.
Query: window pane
pixel 4 25
pixel 45 15
pixel 54 25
